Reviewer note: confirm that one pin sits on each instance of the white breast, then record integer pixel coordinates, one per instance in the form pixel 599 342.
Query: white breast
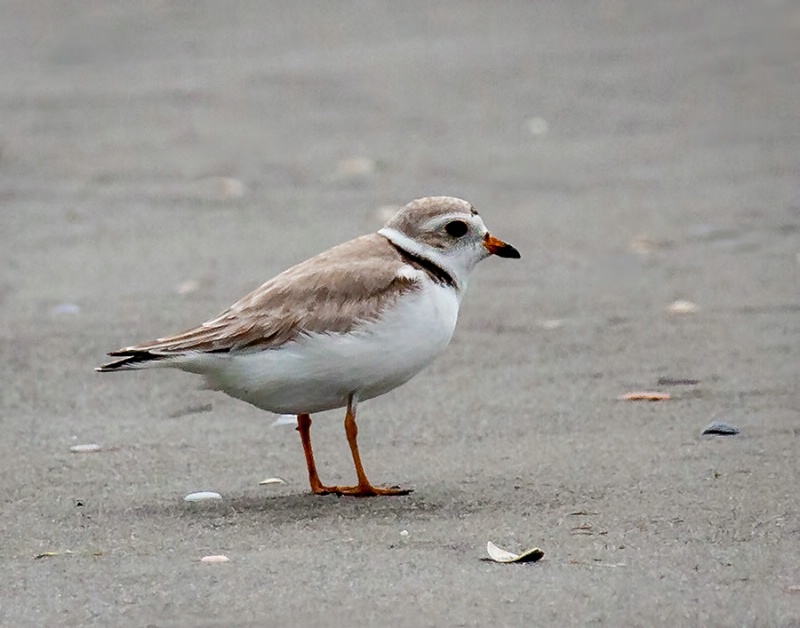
pixel 319 371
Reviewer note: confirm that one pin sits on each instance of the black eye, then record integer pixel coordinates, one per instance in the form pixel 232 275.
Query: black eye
pixel 457 228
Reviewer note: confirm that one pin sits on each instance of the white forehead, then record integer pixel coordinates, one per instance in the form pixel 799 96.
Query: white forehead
pixel 474 220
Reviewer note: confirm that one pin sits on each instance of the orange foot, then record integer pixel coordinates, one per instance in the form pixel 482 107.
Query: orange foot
pixel 366 490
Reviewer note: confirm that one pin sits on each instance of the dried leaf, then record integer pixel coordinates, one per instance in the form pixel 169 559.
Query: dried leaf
pixel 649 395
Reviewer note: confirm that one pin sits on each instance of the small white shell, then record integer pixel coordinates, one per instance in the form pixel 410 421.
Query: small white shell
pixel 285 419
pixel 272 481
pixel 682 306
pixel 215 558
pixel 500 555
pixel 201 496
pixel 87 448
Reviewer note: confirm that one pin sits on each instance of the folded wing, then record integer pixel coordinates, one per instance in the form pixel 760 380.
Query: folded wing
pixel 334 292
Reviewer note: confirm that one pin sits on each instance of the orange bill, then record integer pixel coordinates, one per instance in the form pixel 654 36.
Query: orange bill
pixel 497 247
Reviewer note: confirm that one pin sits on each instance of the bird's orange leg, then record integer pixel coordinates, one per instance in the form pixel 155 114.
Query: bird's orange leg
pixel 304 427
pixel 364 488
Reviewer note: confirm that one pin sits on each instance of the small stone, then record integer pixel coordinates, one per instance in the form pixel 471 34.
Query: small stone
pixel 215 558
pixel 720 428
pixel 403 532
pixel 285 419
pixel 202 496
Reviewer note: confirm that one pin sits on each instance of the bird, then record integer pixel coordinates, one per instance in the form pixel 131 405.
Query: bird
pixel 342 327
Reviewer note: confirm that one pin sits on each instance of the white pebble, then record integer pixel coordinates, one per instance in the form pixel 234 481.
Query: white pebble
pixel 201 496
pixel 216 558
pixel 87 448
pixel 403 532
pixel 285 419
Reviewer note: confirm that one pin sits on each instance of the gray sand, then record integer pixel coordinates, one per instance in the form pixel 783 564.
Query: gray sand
pixel 635 153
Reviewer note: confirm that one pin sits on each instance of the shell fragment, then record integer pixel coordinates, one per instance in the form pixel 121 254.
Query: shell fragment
pixel 87 448
pixel 272 481
pixel 202 496
pixel 500 555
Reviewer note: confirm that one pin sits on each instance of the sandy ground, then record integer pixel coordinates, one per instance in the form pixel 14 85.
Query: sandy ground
pixel 159 159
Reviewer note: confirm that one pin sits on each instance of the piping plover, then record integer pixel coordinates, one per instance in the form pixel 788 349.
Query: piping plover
pixel 347 325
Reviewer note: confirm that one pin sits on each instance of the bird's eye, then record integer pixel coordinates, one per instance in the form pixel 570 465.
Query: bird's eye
pixel 457 228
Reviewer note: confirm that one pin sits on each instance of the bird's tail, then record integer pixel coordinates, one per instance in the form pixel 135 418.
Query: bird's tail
pixel 130 360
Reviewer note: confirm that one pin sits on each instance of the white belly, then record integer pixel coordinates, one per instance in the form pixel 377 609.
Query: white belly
pixel 318 372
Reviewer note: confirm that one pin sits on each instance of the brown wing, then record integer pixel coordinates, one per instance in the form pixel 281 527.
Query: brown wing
pixel 333 292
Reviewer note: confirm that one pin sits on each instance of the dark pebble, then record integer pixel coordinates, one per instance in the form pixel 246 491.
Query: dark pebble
pixel 718 428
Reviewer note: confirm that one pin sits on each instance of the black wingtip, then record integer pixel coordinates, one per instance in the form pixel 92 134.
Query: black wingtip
pixel 129 360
